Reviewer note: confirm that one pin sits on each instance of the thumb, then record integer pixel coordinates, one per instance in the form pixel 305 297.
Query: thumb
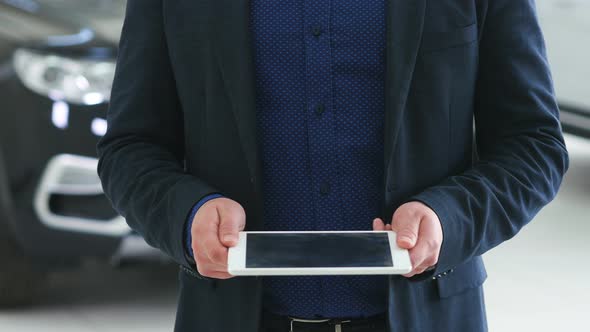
pixel 407 232
pixel 229 227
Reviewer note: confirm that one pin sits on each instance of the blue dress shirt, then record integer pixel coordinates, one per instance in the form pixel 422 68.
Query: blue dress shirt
pixel 319 68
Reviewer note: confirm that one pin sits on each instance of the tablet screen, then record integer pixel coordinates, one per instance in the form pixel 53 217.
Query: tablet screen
pixel 309 250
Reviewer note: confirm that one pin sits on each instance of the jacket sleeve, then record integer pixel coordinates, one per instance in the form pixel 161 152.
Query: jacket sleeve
pixel 522 155
pixel 141 157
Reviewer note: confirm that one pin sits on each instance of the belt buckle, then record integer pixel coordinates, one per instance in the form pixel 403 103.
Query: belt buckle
pixel 337 324
pixel 301 320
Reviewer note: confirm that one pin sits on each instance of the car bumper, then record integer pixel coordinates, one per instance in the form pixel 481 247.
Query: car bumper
pixel 59 213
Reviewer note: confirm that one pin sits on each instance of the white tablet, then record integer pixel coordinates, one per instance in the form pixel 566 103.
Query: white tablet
pixel 317 253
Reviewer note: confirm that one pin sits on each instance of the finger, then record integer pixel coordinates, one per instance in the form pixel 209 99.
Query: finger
pixel 215 251
pixel 387 227
pixel 232 221
pixel 222 275
pixel 203 260
pixel 206 239
pixel 420 269
pixel 378 224
pixel 428 246
pixel 415 271
pixel 406 229
pixel 418 265
pixel 215 274
pixel 425 253
pixel 208 268
pixel 417 260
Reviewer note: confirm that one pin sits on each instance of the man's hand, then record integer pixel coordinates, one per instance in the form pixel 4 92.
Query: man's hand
pixel 215 228
pixel 418 229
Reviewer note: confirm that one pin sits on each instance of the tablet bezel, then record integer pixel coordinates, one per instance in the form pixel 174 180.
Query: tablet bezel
pixel 237 259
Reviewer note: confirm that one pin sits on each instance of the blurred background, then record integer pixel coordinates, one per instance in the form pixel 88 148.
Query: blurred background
pixel 68 262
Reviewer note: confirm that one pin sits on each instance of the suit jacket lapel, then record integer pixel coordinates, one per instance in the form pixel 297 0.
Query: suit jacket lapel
pixel 233 48
pixel 405 21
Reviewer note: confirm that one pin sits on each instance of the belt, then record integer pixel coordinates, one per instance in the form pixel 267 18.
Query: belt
pixel 294 324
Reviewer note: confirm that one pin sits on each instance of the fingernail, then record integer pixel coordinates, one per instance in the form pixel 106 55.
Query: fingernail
pixel 229 238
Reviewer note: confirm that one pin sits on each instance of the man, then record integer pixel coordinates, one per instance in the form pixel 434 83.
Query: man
pixel 330 115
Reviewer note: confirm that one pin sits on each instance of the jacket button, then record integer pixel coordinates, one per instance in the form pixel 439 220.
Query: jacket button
pixel 316 31
pixel 324 188
pixel 320 109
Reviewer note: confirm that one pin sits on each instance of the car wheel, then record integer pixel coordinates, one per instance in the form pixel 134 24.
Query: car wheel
pixel 20 282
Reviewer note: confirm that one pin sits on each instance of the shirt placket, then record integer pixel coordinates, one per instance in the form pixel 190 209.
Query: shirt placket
pixel 321 118
pixel 320 112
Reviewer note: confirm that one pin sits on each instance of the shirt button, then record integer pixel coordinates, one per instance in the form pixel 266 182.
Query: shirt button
pixel 320 109
pixel 324 188
pixel 316 31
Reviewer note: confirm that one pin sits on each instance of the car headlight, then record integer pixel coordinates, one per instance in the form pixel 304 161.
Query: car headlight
pixel 77 81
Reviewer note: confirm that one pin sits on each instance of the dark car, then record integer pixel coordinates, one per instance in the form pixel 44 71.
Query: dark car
pixel 57 61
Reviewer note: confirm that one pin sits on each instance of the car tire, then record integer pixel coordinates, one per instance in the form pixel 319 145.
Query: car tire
pixel 20 282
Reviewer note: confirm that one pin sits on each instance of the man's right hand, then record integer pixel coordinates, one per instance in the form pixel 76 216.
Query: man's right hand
pixel 215 229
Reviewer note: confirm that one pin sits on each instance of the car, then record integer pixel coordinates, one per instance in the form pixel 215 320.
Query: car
pixel 57 62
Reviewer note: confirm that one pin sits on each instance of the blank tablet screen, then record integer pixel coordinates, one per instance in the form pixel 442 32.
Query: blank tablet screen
pixel 308 250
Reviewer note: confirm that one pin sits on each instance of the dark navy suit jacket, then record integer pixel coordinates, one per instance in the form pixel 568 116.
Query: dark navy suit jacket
pixel 181 125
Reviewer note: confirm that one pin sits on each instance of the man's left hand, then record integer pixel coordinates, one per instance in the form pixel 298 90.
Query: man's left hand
pixel 419 230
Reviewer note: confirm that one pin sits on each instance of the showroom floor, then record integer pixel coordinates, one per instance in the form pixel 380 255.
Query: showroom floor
pixel 537 281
